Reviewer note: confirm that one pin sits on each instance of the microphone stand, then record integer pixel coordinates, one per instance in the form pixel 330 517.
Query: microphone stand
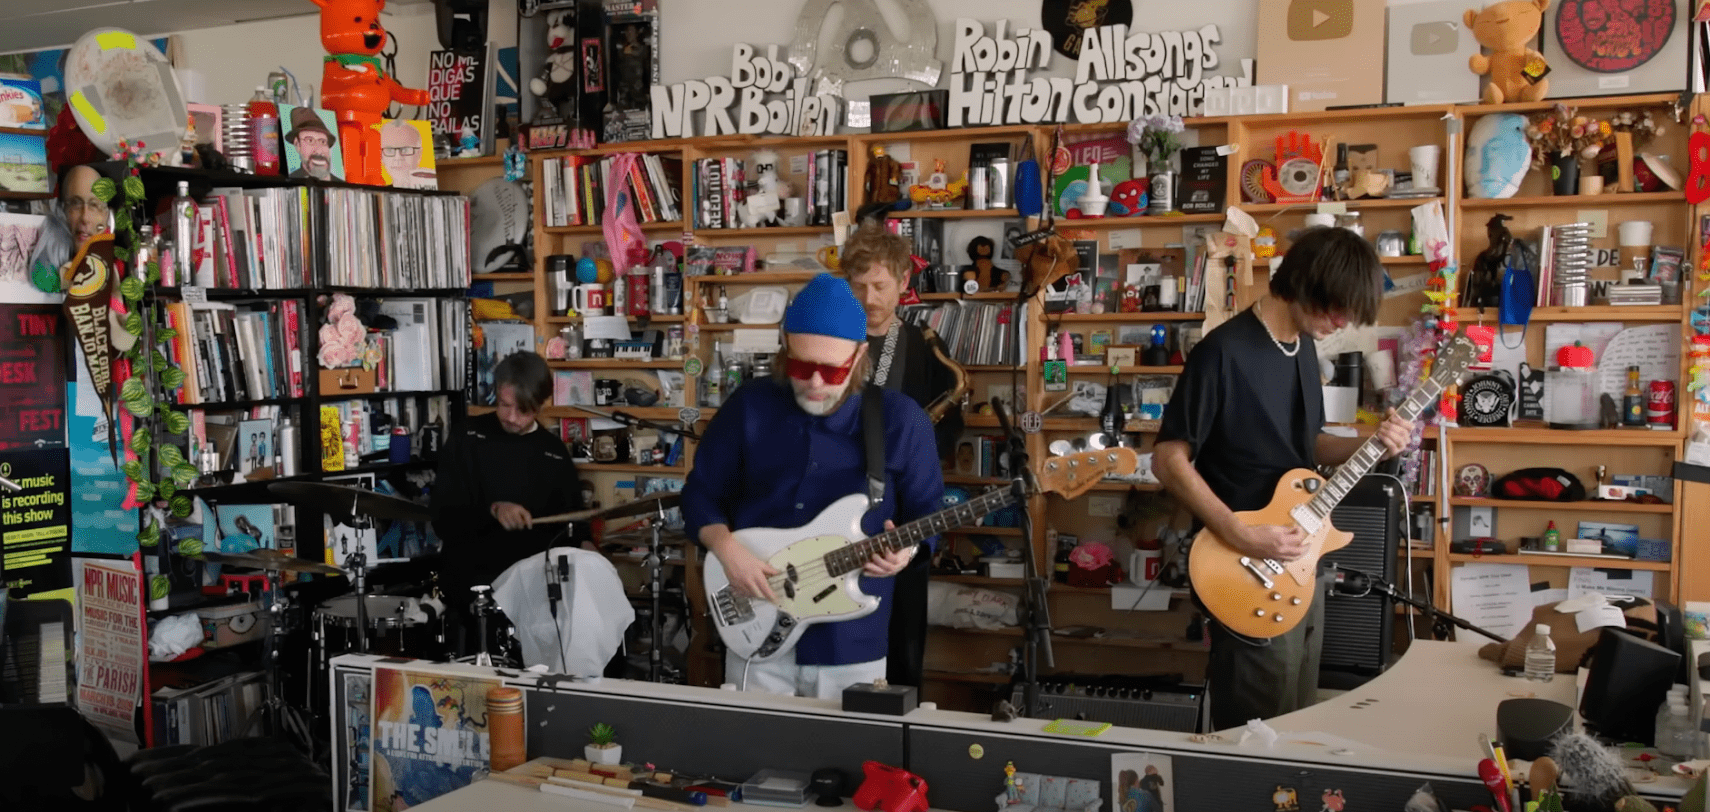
pixel 641 422
pixel 1372 583
pixel 1034 610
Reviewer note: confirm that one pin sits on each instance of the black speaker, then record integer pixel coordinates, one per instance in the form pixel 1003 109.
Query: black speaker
pixel 1358 630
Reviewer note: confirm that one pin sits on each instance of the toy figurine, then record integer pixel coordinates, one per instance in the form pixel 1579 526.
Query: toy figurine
pixel 938 192
pixel 884 179
pixel 1011 786
pixel 354 82
pixel 982 272
pixel 554 85
pixel 767 182
pixel 1516 70
pixel 1130 302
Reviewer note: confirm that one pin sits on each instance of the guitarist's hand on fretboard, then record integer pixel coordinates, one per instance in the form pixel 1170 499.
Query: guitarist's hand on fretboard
pixel 1395 432
pixel 1270 541
pixel 884 565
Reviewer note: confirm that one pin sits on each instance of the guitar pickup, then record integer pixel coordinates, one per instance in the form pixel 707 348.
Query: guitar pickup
pixel 824 593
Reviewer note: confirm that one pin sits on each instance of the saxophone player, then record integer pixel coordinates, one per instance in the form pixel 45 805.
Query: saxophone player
pixel 912 360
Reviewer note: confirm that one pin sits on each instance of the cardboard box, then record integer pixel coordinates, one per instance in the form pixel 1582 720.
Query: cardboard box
pixel 1295 35
pixel 346 381
pixel 230 625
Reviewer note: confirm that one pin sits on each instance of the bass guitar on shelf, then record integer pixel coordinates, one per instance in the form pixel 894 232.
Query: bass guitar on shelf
pixel 819 564
pixel 1262 597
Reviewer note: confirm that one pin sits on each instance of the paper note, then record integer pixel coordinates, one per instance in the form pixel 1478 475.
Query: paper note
pixel 754 341
pixel 1403 285
pixel 1121 238
pixel 612 328
pixel 1599 616
pixel 1609 582
pixel 1548 597
pixel 1595 335
pixel 1495 596
pixel 1654 349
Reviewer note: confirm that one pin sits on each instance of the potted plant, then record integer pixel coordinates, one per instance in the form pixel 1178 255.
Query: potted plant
pixel 601 749
pixel 1154 137
pixel 1560 138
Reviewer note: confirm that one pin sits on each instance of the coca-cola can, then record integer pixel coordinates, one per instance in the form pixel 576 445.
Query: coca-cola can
pixel 1659 404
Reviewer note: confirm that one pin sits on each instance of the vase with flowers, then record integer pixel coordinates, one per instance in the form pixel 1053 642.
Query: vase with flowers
pixel 1630 131
pixel 1154 138
pixel 1560 139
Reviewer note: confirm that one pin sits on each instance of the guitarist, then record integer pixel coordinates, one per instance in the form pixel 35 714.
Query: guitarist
pixel 783 449
pixel 1247 409
pixel 901 357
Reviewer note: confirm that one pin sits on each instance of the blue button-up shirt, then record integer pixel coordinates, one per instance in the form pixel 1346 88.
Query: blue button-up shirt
pixel 763 462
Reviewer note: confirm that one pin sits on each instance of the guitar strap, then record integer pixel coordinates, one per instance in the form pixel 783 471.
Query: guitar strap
pixel 873 435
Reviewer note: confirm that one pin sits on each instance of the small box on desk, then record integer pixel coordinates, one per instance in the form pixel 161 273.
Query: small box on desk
pixel 880 697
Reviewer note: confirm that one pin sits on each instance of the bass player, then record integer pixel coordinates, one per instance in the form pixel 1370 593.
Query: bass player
pixel 783 449
pixel 1249 407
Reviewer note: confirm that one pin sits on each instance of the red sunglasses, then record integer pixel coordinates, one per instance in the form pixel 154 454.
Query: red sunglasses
pixel 833 375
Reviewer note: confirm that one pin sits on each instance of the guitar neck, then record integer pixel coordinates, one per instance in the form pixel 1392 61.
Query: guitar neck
pixel 1372 450
pixel 852 557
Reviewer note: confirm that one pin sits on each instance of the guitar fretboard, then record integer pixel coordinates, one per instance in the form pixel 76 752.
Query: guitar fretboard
pixel 851 557
pixel 1372 450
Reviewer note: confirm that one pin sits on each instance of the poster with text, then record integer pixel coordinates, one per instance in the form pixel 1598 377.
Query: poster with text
pixel 35 523
pixel 110 656
pixel 353 712
pixel 430 736
pixel 100 522
pixel 32 376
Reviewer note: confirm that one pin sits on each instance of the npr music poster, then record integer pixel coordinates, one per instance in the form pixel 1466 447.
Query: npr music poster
pixel 429 736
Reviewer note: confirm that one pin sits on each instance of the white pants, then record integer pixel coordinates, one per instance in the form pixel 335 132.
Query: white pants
pixel 784 676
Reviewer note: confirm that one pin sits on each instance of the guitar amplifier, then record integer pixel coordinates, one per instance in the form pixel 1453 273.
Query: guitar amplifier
pixel 1358 631
pixel 1120 700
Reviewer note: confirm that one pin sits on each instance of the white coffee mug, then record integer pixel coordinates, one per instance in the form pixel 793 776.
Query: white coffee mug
pixel 1424 159
pixel 1635 232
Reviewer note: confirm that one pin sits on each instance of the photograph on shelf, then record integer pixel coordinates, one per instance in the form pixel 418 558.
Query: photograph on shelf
pixel 406 159
pixel 311 143
pixel 23 164
pixel 21 105
pixel 255 446
pixel 206 119
pixel 236 529
pixel 1144 782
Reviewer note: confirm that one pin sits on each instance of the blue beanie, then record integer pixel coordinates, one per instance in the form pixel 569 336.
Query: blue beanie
pixel 827 307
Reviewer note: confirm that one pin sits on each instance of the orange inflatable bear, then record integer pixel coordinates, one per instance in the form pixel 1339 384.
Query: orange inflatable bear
pixel 354 84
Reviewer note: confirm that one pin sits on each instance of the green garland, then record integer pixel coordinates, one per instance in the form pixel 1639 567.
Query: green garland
pixel 152 370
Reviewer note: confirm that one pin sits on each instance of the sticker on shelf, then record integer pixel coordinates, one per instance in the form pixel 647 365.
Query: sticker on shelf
pixel 1032 422
pixel 688 415
pixel 692 367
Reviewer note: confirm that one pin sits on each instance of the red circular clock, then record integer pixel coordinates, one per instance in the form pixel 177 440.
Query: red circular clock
pixel 1613 36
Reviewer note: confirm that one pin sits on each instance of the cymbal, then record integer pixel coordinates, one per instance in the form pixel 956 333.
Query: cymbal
pixel 646 504
pixel 266 559
pixel 341 501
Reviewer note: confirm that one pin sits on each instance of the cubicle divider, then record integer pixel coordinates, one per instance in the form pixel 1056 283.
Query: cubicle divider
pixel 704 732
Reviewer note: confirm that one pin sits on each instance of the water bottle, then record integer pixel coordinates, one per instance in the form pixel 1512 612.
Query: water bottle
pixel 1677 743
pixel 713 380
pixel 264 133
pixel 1541 655
pixel 184 232
pixel 1665 727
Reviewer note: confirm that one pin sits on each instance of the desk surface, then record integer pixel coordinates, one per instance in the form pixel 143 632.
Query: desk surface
pixel 497 796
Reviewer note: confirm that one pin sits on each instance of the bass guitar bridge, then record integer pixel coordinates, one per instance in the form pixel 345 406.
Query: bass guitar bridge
pixel 730 608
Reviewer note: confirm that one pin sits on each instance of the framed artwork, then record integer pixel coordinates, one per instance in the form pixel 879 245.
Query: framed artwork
pixel 1121 356
pixel 254 445
pixel 406 154
pixel 311 143
pixel 593 66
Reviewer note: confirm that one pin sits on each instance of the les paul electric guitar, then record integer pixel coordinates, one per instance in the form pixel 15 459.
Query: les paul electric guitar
pixel 1263 598
pixel 819 564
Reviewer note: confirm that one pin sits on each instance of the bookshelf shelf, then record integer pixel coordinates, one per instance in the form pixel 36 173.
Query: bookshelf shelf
pixel 237 404
pixel 662 319
pixel 1563 560
pixel 1095 369
pixel 1588 505
pixel 1574 201
pixel 1141 318
pixel 957 214
pixel 410 393
pixel 624 468
pixel 517 276
pixel 1663 313
pixel 613 363
pixel 1544 436
pixel 1138 221
pixel 778 231
pixel 1351 205
pixel 657 225
pixel 993 296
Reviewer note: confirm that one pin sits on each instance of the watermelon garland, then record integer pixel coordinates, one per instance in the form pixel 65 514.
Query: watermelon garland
pixel 157 469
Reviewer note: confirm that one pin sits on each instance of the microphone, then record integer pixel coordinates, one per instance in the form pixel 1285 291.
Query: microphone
pixel 554 583
pixel 1352 581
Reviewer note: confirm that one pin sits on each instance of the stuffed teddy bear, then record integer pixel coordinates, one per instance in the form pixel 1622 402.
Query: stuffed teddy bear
pixel 554 85
pixel 1516 71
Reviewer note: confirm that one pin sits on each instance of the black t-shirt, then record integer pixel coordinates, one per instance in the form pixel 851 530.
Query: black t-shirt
pixel 483 464
pixel 1248 412
pixel 916 371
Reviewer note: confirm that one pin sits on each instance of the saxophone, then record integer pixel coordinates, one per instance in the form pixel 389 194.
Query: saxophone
pixel 953 398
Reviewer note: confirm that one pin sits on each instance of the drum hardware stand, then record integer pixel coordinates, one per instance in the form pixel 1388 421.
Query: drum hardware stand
pixel 356 563
pixel 280 718
pixel 1035 610
pixel 482 608
pixel 656 668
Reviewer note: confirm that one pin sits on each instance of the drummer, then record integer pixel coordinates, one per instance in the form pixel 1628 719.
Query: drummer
pixel 498 471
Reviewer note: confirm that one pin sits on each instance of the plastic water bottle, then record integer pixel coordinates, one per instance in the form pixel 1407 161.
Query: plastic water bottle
pixel 1676 744
pixel 1666 726
pixel 1541 655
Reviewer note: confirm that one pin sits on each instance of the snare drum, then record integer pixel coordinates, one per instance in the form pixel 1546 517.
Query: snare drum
pixel 398 625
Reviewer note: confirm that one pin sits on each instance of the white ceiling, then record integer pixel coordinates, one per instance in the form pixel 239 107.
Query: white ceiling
pixel 27 25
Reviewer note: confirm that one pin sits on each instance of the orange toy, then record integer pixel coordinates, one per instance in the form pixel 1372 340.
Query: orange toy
pixel 354 84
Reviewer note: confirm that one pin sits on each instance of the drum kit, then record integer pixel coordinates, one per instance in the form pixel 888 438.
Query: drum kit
pixel 398 625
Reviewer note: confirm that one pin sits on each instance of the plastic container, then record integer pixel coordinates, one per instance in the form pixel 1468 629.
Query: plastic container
pixel 264 134
pixel 1541 655
pixel 231 624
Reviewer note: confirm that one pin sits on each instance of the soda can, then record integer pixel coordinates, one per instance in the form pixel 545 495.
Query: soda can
pixel 1659 405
